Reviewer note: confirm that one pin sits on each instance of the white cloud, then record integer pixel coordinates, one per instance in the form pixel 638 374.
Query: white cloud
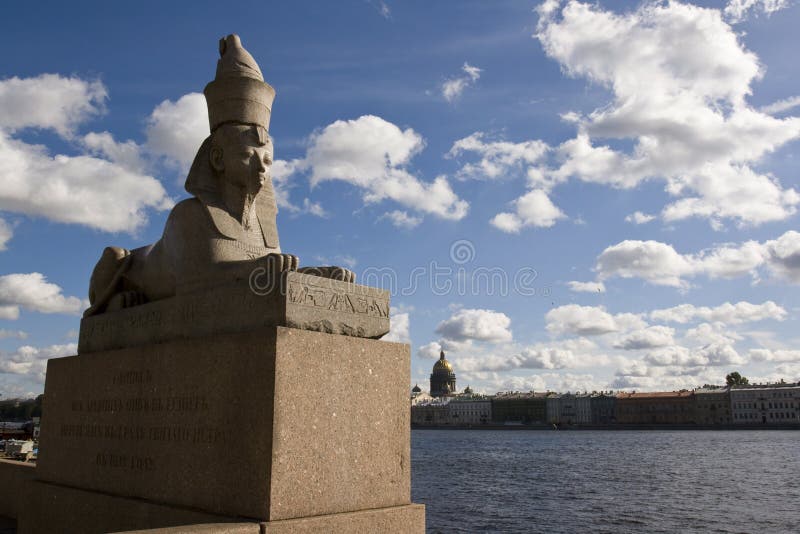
pixel 587 287
pixel 727 313
pixel 402 219
pixel 709 355
pixel 476 324
pixel 108 195
pixel 653 261
pixel 660 264
pixel 680 78
pixel 372 154
pixel 639 218
pixel 17 334
pixel 781 105
pixel 777 356
pixel 532 209
pixel 783 256
pixel 10 313
pixel 711 333
pixel 452 88
pixel 589 320
pixel 32 361
pixel 33 292
pixel 75 189
pixel 127 154
pixel 430 351
pixel 49 101
pixel 738 10
pixel 647 338
pixel 399 331
pixel 6 233
pixel 499 159
pixel 175 130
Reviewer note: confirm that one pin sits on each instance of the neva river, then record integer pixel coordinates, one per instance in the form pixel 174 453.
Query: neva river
pixel 607 481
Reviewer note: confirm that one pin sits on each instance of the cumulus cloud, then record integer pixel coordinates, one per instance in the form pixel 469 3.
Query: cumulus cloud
pixel 589 321
pixel 373 154
pixel 108 194
pixel 653 261
pixel 127 154
pixel 739 10
pixel 646 338
pixel 727 313
pixel 781 105
pixel 532 209
pixel 401 219
pixel 777 356
pixel 587 287
pixel 477 325
pixel 498 159
pixel 452 88
pixel 660 264
pixel 710 355
pixel 430 351
pixel 75 189
pixel 32 361
pixel 680 78
pixel 33 292
pixel 6 233
pixel 399 331
pixel 49 101
pixel 14 334
pixel 175 130
pixel 711 333
pixel 638 217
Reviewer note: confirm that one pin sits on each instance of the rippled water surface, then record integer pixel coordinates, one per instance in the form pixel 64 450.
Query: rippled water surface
pixel 607 481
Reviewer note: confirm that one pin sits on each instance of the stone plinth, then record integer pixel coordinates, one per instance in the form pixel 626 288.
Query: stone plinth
pixel 290 299
pixel 272 424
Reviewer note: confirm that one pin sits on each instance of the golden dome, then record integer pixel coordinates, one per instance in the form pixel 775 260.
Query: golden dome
pixel 442 364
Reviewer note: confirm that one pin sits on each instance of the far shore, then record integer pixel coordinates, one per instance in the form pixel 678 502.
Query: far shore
pixel 608 427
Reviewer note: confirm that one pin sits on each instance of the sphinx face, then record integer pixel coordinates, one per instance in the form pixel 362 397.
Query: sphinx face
pixel 244 156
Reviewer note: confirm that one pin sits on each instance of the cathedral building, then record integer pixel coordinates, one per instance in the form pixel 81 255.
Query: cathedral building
pixel 443 379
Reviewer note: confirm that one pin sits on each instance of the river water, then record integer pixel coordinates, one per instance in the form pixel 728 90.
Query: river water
pixel 607 481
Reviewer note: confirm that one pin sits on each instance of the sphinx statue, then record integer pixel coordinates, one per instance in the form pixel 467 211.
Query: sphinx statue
pixel 228 227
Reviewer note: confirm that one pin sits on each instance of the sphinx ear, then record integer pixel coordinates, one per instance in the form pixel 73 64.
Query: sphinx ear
pixel 215 158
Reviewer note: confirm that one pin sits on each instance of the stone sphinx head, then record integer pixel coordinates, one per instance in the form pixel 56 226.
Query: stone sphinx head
pixel 241 156
pixel 238 153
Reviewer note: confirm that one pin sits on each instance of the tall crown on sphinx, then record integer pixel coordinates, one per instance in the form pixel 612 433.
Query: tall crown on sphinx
pixel 238 93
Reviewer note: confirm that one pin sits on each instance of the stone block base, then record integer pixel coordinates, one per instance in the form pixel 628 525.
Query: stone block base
pixel 273 424
pixel 53 508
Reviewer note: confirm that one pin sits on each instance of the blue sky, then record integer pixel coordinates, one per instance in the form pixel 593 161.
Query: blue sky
pixel 588 196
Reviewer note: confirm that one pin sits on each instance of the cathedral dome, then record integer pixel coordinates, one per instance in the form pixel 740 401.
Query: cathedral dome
pixel 442 364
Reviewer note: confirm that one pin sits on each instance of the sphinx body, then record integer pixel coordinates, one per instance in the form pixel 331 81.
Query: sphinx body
pixel 228 228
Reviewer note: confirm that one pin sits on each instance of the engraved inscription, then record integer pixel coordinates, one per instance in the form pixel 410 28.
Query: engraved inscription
pixel 337 301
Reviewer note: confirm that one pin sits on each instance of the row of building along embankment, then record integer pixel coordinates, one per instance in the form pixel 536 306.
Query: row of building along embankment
pixel 749 405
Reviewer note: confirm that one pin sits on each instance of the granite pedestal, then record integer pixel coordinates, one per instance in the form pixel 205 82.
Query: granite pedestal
pixel 263 426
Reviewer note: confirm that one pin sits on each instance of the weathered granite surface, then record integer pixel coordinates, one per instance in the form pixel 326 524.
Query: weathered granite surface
pixel 272 424
pixel 295 300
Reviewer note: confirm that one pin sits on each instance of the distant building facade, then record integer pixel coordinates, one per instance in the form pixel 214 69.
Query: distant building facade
pixel 470 410
pixel 659 407
pixel 519 408
pixel 774 404
pixel 443 379
pixel 712 406
pixel 602 408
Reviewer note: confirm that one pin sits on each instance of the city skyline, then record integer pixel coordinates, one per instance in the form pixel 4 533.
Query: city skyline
pixel 560 195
